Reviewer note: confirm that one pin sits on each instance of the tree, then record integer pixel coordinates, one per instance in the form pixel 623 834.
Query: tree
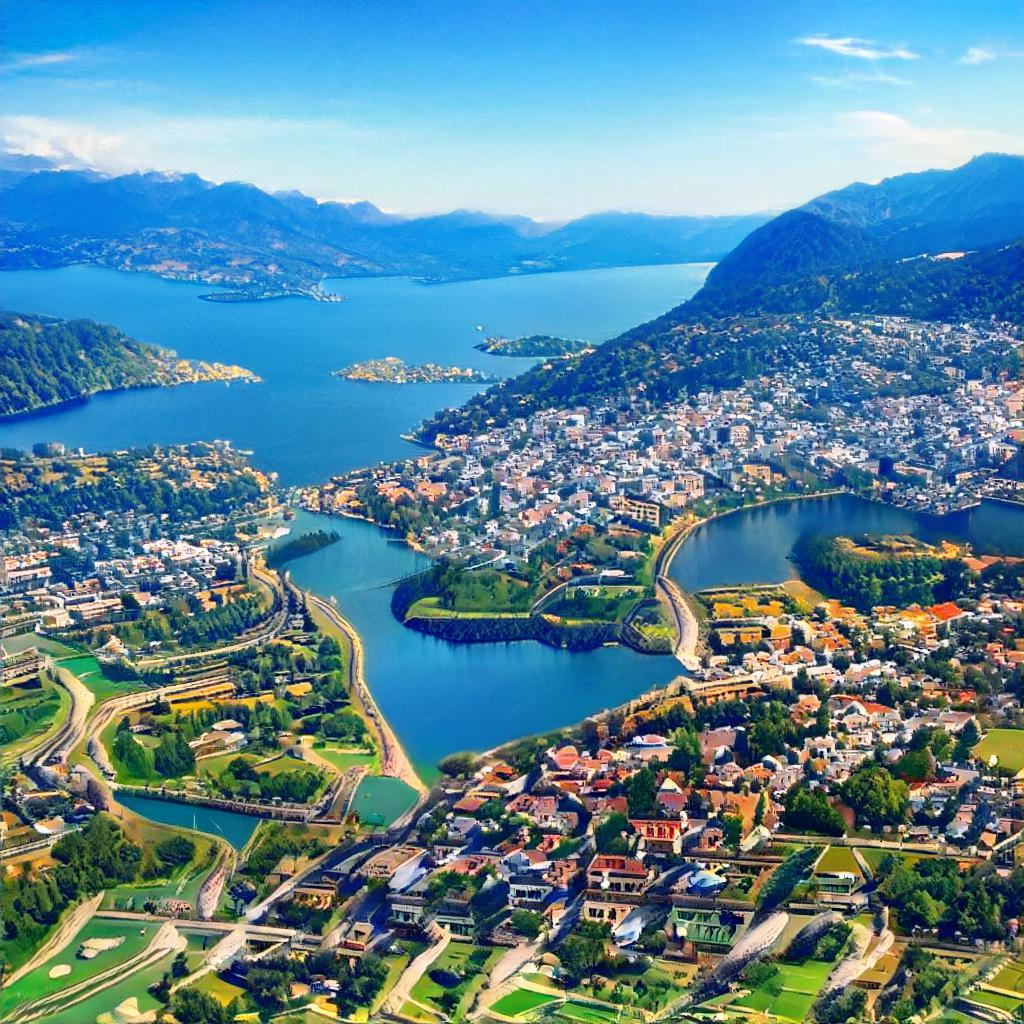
pixel 457 764
pixel 641 794
pixel 190 1006
pixel 527 923
pixel 876 797
pixel 608 835
pixel 809 811
pixel 732 829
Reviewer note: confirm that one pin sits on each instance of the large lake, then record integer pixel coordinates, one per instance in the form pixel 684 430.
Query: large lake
pixel 305 425
pixel 301 422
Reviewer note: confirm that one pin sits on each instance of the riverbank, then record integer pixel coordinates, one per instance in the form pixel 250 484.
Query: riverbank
pixel 394 762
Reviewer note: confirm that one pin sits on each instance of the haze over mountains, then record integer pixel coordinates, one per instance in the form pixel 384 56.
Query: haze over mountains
pixel 235 233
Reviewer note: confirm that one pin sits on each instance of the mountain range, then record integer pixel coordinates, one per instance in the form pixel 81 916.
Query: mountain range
pixel 795 261
pixel 939 245
pixel 237 234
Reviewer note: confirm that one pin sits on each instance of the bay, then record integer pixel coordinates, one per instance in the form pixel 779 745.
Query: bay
pixel 753 545
pixel 305 425
pixel 301 422
pixel 441 697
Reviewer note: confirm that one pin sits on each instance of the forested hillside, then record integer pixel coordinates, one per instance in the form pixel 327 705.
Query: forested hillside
pixel 45 362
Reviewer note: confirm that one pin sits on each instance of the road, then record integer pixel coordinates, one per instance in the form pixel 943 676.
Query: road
pixel 687 630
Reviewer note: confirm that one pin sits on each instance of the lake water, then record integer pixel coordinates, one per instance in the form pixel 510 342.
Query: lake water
pixel 301 422
pixel 442 697
pixel 235 828
pixel 305 424
pixel 753 545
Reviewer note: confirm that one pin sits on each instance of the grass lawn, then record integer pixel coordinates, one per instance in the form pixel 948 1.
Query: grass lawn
pixel 135 985
pixel 344 758
pixel 522 1000
pixel 873 857
pixel 38 983
pixel 456 959
pixel 801 984
pixel 430 608
pixel 838 858
pixel 214 985
pixel 1007 745
pixel 587 1013
pixel 87 669
pixel 48 704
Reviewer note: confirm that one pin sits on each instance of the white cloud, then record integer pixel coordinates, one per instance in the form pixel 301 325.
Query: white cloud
pixel 863 49
pixel 67 145
pixel 977 55
pixel 35 61
pixel 890 138
pixel 856 79
pixel 985 54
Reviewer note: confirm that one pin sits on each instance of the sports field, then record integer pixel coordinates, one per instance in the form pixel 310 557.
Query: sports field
pixel 522 1000
pixel 1007 745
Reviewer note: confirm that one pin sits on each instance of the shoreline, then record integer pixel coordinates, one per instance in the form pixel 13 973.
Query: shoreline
pixel 394 761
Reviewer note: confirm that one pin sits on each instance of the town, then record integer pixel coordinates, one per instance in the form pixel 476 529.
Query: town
pixel 822 813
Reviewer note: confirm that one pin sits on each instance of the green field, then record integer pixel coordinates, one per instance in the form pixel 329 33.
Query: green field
pixel 87 669
pixel 455 958
pixel 522 1000
pixel 1011 977
pixel 1007 745
pixel 587 1013
pixel 801 984
pixel 873 856
pixel 214 985
pixel 135 985
pixel 344 758
pixel 997 999
pixel 38 983
pixel 28 714
pixel 838 858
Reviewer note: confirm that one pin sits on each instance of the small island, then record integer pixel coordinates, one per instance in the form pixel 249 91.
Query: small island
pixel 305 544
pixel 536 345
pixel 392 370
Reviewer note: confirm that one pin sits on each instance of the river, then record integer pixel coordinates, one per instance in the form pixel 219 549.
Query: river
pixel 305 425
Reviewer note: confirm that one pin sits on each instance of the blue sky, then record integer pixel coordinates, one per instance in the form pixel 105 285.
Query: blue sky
pixel 551 109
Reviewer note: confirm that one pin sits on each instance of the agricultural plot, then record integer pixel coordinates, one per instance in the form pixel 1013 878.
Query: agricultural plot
pixel 999 1000
pixel 1010 977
